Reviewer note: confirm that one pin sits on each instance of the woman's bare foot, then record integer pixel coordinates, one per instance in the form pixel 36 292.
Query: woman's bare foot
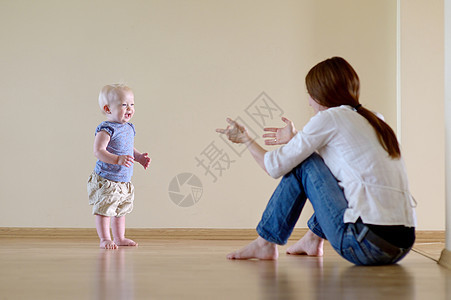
pixel 310 244
pixel 125 242
pixel 107 244
pixel 260 249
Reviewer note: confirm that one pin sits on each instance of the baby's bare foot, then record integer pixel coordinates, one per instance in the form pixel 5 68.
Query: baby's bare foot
pixel 107 244
pixel 310 244
pixel 260 249
pixel 125 242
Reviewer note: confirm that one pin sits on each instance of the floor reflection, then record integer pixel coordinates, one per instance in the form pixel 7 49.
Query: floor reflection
pixel 312 278
pixel 275 283
pixel 272 282
pixel 357 282
pixel 199 270
pixel 114 275
pixel 332 279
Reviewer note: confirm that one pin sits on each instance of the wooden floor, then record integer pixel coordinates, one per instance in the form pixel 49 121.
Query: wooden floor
pixel 33 268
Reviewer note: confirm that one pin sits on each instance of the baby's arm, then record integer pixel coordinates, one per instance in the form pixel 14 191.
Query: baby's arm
pixel 100 144
pixel 142 158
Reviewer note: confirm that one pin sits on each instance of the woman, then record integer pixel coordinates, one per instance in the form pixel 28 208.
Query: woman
pixel 347 162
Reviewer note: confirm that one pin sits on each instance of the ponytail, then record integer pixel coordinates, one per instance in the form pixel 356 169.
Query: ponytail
pixel 385 135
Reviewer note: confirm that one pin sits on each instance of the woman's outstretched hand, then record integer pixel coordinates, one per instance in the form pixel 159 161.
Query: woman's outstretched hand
pixel 235 132
pixel 280 136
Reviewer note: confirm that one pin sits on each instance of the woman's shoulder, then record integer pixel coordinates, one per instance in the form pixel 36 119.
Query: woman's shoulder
pixel 341 109
pixel 343 112
pixel 349 109
pixel 322 121
pixel 333 118
pixel 333 111
pixel 330 113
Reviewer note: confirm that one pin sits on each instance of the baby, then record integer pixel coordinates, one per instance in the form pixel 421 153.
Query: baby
pixel 110 190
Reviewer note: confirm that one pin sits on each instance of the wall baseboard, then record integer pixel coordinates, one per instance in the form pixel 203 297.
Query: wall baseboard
pixel 423 236
pixel 148 233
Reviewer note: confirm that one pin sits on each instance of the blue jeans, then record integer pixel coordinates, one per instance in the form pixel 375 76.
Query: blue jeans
pixel 312 179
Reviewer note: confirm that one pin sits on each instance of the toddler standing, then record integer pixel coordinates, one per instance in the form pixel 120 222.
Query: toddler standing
pixel 110 190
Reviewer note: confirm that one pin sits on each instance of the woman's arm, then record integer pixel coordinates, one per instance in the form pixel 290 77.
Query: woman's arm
pixel 280 136
pixel 257 152
pixel 238 134
pixel 100 143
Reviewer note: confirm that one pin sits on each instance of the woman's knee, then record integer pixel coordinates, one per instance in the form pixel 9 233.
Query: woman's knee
pixel 313 163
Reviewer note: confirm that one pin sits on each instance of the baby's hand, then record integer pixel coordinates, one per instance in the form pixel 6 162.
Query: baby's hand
pixel 125 160
pixel 144 160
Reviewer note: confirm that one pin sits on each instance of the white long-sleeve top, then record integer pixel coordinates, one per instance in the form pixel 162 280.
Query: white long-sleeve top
pixel 375 185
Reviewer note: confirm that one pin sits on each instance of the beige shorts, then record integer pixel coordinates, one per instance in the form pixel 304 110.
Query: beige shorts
pixel 110 198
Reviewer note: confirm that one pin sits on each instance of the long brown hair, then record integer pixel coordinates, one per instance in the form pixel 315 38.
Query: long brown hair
pixel 334 82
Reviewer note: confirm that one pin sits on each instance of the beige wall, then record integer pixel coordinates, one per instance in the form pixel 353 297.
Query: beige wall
pixel 191 64
pixel 422 106
pixel 447 17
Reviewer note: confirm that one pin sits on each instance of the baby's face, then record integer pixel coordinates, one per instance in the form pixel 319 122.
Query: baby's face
pixel 122 110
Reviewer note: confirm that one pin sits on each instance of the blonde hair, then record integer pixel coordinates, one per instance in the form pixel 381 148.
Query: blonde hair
pixel 111 93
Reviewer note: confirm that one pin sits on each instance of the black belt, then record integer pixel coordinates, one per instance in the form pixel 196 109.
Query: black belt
pixel 363 232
